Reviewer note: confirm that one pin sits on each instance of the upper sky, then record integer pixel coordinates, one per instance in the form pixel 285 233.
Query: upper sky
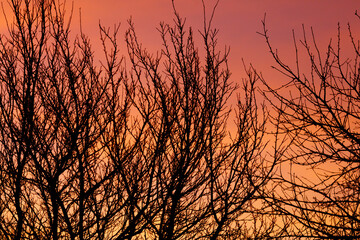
pixel 237 20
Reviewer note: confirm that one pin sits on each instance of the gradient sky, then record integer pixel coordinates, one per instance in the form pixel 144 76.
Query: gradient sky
pixel 237 20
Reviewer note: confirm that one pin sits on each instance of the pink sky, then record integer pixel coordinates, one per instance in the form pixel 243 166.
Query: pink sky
pixel 237 20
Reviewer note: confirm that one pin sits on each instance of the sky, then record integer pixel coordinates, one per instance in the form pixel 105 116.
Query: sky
pixel 238 22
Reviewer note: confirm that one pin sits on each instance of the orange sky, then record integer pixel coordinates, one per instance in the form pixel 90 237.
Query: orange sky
pixel 238 21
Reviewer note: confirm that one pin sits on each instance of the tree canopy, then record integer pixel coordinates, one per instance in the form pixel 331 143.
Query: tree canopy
pixel 142 144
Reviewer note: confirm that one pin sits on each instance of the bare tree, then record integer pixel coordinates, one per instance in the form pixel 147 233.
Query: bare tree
pixel 318 124
pixel 93 151
pixel 61 120
pixel 205 180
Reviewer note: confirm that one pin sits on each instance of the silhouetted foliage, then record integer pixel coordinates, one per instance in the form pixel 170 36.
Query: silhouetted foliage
pixel 318 193
pixel 98 151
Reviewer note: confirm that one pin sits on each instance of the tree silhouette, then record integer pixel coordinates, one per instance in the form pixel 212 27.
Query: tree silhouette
pixel 60 117
pixel 104 152
pixel 202 180
pixel 317 121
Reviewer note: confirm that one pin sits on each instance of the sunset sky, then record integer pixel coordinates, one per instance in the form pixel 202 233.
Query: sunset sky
pixel 237 20
pixel 83 150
